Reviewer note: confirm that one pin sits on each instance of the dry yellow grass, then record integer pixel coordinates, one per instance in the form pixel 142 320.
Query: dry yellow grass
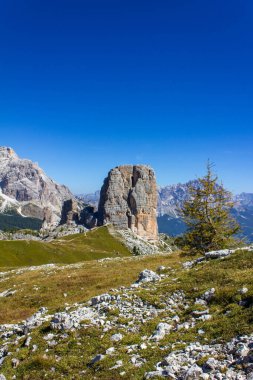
pixel 85 280
pixel 46 287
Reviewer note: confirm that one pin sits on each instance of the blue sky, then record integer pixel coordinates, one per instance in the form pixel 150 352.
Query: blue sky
pixel 90 84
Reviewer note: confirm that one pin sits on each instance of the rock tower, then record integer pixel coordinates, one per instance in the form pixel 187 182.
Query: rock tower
pixel 128 199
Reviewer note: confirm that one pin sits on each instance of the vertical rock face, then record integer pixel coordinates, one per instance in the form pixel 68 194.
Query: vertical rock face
pixel 128 199
pixel 70 212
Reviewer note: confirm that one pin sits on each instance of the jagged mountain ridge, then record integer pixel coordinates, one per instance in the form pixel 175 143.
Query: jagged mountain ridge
pixel 90 198
pixel 172 197
pixel 243 200
pixel 26 191
pixel 28 195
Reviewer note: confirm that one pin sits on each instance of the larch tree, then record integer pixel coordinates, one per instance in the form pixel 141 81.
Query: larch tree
pixel 208 217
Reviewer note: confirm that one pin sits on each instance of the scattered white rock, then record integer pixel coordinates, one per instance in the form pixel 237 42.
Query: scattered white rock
pixel 28 341
pixel 200 301
pixel 242 350
pixel 110 351
pixel 35 347
pixel 116 337
pixel 161 330
pixel 148 276
pixel 218 254
pixel 161 268
pixel 119 363
pixel 71 320
pixel 143 246
pixel 99 299
pixel 127 302
pixel 243 290
pixel 188 264
pixel 211 364
pixel 49 336
pixel 8 293
pixel 193 372
pixel 208 295
pixel 199 313
pixel 163 373
pixel 224 361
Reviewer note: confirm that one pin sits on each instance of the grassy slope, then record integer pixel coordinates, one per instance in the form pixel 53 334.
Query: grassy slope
pixel 95 244
pixel 16 221
pixel 80 283
pixel 227 276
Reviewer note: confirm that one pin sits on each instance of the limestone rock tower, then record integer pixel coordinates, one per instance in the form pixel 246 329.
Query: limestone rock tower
pixel 128 199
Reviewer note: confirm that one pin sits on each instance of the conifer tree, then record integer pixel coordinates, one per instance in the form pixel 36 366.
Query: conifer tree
pixel 207 216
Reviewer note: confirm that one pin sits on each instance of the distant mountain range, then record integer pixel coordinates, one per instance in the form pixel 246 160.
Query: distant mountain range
pixel 28 196
pixel 171 199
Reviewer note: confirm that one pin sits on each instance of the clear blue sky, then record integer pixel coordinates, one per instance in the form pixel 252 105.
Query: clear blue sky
pixel 86 85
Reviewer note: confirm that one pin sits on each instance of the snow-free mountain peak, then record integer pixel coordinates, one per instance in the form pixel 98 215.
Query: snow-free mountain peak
pixel 7 153
pixel 26 190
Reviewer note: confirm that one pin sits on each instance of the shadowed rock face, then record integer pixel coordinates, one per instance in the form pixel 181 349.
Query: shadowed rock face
pixel 70 212
pixel 128 199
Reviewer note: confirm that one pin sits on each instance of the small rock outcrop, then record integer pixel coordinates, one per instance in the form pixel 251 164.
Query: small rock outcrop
pixel 70 212
pixel 128 199
pixel 74 212
pixel 148 276
pixel 161 330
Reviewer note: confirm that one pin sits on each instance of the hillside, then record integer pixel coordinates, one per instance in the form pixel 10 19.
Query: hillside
pixel 95 244
pixel 14 221
pixel 184 322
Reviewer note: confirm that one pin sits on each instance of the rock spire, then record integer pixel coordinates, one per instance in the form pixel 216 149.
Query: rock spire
pixel 128 199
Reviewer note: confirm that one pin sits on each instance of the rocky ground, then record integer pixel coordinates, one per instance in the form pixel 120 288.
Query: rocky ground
pixel 140 246
pixel 44 235
pixel 174 323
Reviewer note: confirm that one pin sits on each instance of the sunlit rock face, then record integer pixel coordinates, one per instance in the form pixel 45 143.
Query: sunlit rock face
pixel 128 199
pixel 25 188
